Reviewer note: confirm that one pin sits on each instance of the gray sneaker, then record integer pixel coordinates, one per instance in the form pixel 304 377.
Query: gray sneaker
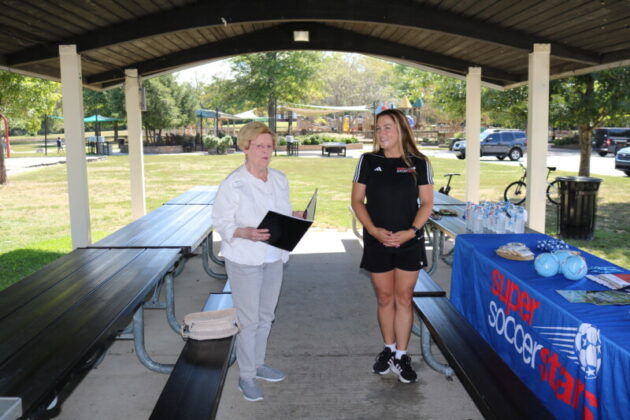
pixel 267 373
pixel 250 389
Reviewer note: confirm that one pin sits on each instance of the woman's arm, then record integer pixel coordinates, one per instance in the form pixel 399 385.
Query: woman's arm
pixel 358 205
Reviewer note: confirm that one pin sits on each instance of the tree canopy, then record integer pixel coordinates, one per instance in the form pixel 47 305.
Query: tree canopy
pixel 588 101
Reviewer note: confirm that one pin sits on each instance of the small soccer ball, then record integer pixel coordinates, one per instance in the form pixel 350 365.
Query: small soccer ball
pixel 562 254
pixel 588 348
pixel 574 267
pixel 546 265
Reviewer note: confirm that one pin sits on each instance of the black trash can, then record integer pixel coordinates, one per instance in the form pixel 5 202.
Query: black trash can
pixel 577 211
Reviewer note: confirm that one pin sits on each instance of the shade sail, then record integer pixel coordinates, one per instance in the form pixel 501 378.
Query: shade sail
pixel 313 110
pixel 99 118
pixel 209 113
pixel 250 115
pixel 91 119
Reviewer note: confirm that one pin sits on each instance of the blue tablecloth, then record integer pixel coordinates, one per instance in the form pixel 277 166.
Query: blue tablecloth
pixel 574 356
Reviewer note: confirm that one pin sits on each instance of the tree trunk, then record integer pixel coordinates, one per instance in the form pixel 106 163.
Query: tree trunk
pixel 586 131
pixel 271 112
pixel 3 169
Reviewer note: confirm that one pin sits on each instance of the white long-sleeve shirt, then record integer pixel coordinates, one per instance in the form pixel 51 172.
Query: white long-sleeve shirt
pixel 243 201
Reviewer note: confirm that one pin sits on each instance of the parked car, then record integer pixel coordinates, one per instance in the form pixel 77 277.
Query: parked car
pixel 622 160
pixel 499 142
pixel 610 139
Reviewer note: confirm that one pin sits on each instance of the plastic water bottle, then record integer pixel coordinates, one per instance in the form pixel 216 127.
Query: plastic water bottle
pixel 478 219
pixel 500 222
pixel 468 215
pixel 521 215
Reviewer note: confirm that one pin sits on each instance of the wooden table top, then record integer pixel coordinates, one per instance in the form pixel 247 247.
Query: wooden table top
pixel 172 226
pixel 203 194
pixel 52 321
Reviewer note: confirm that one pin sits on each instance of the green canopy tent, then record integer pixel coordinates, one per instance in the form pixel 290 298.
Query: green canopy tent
pixel 97 119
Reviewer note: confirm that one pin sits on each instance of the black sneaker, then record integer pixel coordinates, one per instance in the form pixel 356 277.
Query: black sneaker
pixel 383 360
pixel 402 368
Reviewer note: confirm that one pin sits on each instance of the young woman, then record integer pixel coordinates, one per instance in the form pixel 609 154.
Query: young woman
pixel 392 196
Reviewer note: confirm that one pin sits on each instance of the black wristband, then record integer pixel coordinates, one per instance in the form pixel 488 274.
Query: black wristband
pixel 418 232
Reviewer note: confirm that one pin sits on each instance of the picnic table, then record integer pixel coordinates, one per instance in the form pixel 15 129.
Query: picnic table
pixel 202 194
pixel 170 226
pixel 573 356
pixel 293 146
pixel 58 322
pixel 334 147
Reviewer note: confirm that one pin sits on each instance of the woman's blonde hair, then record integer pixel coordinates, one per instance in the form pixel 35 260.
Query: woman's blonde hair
pixel 407 141
pixel 252 130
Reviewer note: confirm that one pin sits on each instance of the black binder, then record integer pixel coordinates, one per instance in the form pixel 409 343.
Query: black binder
pixel 286 231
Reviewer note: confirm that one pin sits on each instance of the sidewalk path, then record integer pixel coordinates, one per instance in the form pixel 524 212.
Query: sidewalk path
pixel 16 165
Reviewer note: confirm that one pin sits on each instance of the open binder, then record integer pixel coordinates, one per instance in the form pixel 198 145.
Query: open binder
pixel 286 231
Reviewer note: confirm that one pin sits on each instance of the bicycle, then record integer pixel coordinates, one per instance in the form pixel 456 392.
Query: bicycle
pixel 447 188
pixel 517 190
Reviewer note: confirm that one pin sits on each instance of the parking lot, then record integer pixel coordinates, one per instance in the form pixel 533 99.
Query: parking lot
pixel 567 160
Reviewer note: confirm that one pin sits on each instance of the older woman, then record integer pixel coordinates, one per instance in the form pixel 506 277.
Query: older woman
pixel 253 267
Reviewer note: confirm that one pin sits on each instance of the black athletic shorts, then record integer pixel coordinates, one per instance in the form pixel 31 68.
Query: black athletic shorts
pixel 380 259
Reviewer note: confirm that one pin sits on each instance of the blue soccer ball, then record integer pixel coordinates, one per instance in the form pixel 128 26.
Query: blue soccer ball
pixel 562 254
pixel 546 265
pixel 574 267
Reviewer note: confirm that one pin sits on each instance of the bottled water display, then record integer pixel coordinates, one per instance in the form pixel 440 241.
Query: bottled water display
pixel 491 217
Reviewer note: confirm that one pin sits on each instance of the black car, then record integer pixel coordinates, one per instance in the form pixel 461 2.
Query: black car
pixel 610 139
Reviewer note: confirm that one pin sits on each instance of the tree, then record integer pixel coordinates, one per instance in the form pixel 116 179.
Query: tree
pixel 265 78
pixel 351 79
pixel 588 101
pixel 24 101
pixel 169 104
pixel 506 108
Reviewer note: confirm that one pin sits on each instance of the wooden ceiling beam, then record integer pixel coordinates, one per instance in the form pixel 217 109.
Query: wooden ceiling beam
pixel 226 12
pixel 322 37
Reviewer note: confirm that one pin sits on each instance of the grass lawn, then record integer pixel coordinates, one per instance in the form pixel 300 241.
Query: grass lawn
pixel 35 218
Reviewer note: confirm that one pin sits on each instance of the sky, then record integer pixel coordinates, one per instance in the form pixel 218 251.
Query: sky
pixel 204 72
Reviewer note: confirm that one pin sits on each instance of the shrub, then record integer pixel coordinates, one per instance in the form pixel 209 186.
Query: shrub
pixel 211 142
pixel 310 139
pixel 282 141
pixel 575 139
pixel 223 144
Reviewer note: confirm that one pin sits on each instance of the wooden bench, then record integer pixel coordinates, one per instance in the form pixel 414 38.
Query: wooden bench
pixel 193 391
pixel 496 390
pixel 57 322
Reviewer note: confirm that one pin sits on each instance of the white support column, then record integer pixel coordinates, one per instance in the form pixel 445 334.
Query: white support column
pixel 473 125
pixel 537 135
pixel 136 153
pixel 76 168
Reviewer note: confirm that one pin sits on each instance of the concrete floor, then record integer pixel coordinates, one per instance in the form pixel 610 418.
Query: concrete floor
pixel 325 338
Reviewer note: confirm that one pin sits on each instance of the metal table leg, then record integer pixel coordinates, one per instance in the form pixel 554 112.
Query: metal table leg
pixel 141 351
pixel 435 253
pixel 205 254
pixel 425 347
pixel 213 257
pixel 170 304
